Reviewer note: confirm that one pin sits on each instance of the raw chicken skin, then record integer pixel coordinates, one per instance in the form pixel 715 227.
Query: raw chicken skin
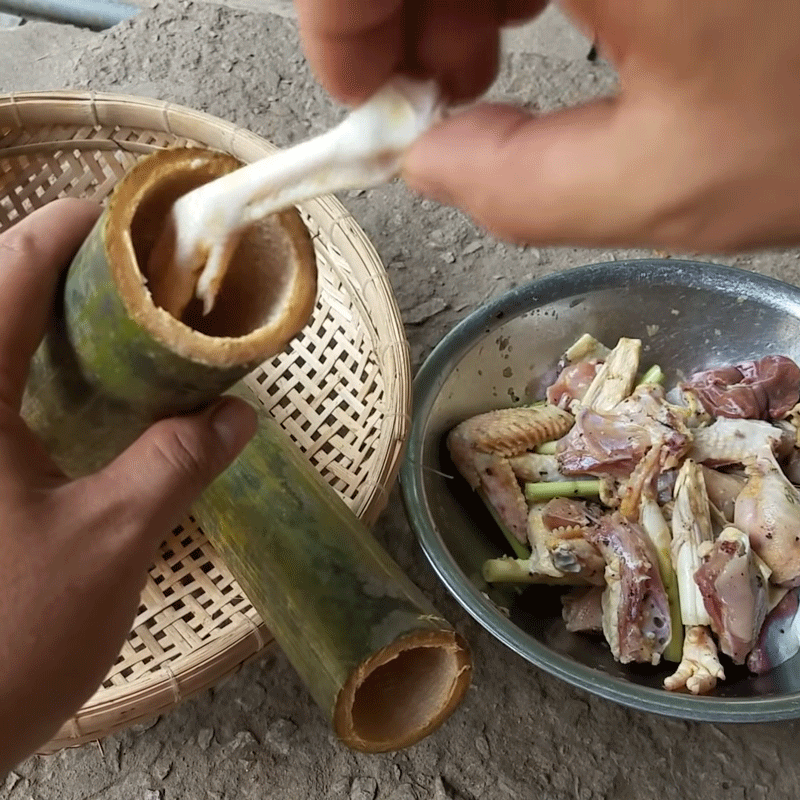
pixel 768 511
pixel 582 610
pixel 734 588
pixel 636 618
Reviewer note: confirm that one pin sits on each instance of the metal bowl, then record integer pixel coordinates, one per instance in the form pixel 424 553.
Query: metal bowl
pixel 689 316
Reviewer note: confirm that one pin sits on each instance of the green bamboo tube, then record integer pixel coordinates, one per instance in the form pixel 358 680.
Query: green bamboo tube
pixel 383 665
pixel 372 650
pixel 113 362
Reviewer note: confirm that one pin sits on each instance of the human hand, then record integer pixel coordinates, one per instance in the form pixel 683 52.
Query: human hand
pixel 75 554
pixel 355 46
pixel 699 151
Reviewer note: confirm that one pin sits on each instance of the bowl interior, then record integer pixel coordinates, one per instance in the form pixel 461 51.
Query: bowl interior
pixel 689 316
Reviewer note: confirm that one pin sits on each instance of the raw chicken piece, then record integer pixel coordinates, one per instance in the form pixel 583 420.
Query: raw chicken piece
pixel 732 441
pixel 653 523
pixel 613 444
pixel 733 582
pixel 538 537
pixel 535 467
pixel 768 511
pixel 723 489
pixel 564 512
pixel 699 669
pixel 691 529
pixel 582 610
pixel 507 432
pixel 636 619
pixel 482 445
pixel 779 638
pixel 568 522
pixel 572 383
pixel 763 389
pixel 616 378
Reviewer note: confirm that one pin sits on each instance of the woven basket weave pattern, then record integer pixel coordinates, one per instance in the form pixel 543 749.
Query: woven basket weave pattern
pixel 341 390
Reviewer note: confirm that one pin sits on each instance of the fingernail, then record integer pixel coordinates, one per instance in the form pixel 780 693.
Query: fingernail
pixel 234 422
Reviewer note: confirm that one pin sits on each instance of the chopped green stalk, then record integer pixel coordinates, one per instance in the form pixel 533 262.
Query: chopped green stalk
pixel 654 375
pixel 519 549
pixel 655 526
pixel 547 448
pixel 507 570
pixel 539 492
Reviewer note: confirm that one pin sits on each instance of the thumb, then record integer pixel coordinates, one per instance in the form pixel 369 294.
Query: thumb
pixel 163 472
pixel 554 179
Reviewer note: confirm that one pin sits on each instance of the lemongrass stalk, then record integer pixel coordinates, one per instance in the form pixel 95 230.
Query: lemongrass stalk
pixel 538 492
pixel 653 375
pixel 655 526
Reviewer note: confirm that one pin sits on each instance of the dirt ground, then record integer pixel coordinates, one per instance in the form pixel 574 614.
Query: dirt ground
pixel 520 733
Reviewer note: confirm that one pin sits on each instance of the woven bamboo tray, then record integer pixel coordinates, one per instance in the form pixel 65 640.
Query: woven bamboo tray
pixel 342 390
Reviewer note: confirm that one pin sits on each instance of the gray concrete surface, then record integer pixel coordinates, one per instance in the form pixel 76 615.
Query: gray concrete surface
pixel 520 733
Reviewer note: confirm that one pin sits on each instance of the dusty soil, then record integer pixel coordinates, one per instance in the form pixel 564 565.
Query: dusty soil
pixel 520 733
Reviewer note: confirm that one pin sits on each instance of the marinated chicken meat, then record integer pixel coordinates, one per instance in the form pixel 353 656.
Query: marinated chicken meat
pixel 688 533
pixel 733 441
pixel 482 446
pixel 636 619
pixel 733 583
pixel 723 488
pixel 763 389
pixel 582 610
pixel 768 510
pixel 612 444
pixel 779 639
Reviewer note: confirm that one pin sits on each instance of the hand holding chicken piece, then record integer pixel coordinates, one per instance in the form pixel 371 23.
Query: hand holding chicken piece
pixel 205 225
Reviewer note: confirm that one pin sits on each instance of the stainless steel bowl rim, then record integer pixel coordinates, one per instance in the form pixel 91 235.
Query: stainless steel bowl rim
pixel 429 379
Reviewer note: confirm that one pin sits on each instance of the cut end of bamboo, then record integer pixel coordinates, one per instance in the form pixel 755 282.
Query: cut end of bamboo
pixel 404 692
pixel 265 296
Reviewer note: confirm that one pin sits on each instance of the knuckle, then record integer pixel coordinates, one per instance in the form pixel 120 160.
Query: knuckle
pixel 181 449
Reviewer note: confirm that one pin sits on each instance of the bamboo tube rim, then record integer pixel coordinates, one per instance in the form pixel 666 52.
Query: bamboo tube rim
pixel 400 709
pixel 291 242
pixel 195 626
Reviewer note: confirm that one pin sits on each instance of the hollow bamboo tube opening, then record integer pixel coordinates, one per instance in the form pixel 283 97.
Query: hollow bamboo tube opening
pixel 267 294
pixel 404 692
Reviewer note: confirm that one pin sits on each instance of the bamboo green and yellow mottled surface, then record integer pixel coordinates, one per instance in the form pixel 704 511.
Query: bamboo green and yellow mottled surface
pixel 99 378
pixel 330 594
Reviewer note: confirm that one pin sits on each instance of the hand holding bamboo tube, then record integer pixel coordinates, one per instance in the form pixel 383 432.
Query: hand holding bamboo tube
pixel 75 553
pixel 383 664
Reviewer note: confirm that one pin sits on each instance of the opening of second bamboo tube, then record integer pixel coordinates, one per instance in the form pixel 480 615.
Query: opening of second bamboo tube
pixel 407 696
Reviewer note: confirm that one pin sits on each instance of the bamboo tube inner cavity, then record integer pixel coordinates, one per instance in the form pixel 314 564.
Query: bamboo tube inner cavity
pixel 265 296
pixel 404 694
pixel 256 282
